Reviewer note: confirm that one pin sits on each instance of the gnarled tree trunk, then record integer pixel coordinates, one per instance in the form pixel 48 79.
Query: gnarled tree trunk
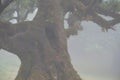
pixel 42 47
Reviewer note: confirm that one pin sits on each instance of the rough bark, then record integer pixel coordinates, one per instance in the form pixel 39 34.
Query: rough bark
pixel 41 45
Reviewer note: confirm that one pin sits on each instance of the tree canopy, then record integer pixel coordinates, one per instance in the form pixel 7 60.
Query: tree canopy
pixel 79 10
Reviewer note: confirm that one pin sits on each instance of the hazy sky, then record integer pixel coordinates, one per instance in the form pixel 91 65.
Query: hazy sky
pixel 95 54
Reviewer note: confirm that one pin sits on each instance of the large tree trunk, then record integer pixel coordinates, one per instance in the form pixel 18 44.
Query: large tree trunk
pixel 42 49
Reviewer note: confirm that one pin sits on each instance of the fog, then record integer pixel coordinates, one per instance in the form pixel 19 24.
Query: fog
pixel 94 55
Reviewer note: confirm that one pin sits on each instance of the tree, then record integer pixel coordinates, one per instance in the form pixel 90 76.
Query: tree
pixel 41 44
pixel 19 7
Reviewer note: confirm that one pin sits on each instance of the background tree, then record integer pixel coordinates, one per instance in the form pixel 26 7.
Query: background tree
pixel 41 43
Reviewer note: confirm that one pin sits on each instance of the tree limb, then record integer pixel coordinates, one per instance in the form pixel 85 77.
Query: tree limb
pixel 115 21
pixel 104 23
pixel 93 10
pixel 107 12
pixel 3 6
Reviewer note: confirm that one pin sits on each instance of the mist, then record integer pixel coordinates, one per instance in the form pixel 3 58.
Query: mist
pixel 95 54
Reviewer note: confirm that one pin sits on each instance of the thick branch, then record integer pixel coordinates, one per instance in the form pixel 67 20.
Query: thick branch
pixel 99 20
pixel 7 31
pixel 79 5
pixel 102 22
pixel 92 4
pixel 93 10
pixel 115 21
pixel 107 12
pixel 3 6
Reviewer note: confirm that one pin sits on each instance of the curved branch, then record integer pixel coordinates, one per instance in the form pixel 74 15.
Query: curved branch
pixel 7 31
